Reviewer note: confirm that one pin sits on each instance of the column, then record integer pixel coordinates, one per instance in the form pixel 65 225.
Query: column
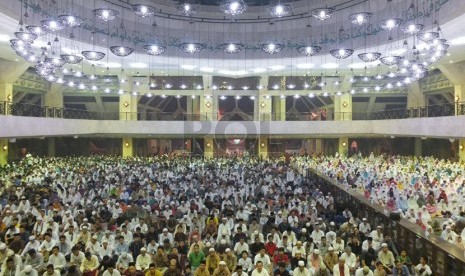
pixel 263 147
pixel 343 107
pixel 209 102
pixel 128 147
pixel 51 148
pixel 343 146
pixel 3 151
pixel 264 101
pixel 279 108
pixel 319 146
pixel 128 102
pixel 415 97
pixel 208 147
pixel 10 71
pixel 455 74
pixel 418 147
pixel 192 108
pixel 461 153
pixel 6 97
pixel 459 98
pixel 53 100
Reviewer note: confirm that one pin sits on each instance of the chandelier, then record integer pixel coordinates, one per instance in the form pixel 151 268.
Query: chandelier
pixel 121 51
pixel 280 10
pixel 52 25
pixel 427 36
pixel 70 21
pixel 341 53
pixel 233 7
pixel 309 50
pixel 360 18
pixel 71 59
pixel 93 55
pixel 390 24
pixel 232 48
pixel 191 48
pixel 369 57
pixel 154 49
pixel 390 60
pixel 37 30
pixel 55 61
pixel 143 10
pixel 271 48
pixel 323 13
pixel 26 37
pixel 19 45
pixel 105 14
pixel 413 28
pixel 186 8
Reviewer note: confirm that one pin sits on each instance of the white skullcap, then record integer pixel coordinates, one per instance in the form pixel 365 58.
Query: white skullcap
pixel 301 263
pixel 28 268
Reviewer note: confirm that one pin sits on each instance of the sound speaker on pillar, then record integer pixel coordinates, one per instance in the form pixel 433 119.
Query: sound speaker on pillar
pixel 394 216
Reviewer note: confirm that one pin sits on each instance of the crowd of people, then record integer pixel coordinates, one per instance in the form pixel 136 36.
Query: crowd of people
pixel 179 216
pixel 425 190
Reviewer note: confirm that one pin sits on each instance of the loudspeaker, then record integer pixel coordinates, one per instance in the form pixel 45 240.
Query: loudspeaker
pixel 395 216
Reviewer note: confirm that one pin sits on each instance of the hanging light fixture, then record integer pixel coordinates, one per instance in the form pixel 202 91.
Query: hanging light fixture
pixel 360 18
pixel 342 53
pixel 413 28
pixel 309 50
pixel 233 7
pixel 187 8
pixel 369 57
pixel 191 48
pixel 19 45
pixel 323 13
pixel 391 23
pixel 55 61
pixel 143 10
pixel 37 30
pixel 26 36
pixel 427 36
pixel 93 55
pixel 70 21
pixel 154 49
pixel 271 48
pixel 232 48
pixel 71 59
pixel 121 51
pixel 390 60
pixel 105 14
pixel 52 25
pixel 280 10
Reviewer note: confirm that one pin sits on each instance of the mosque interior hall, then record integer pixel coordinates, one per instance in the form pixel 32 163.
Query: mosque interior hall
pixel 232 137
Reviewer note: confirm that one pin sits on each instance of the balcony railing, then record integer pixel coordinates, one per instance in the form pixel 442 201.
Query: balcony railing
pixel 30 110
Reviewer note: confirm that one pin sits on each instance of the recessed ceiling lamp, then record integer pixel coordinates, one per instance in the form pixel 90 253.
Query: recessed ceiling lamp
pixel 360 18
pixel 271 48
pixel 309 50
pixel 233 7
pixel 105 14
pixel 121 51
pixel 191 48
pixel 143 10
pixel 323 13
pixel 341 53
pixel 369 57
pixel 154 49
pixel 232 48
pixel 280 10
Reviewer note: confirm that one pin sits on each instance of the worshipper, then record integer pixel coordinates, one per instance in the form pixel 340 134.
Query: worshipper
pixel 28 271
pixel 89 265
pixel 221 270
pixel 423 269
pixel 341 269
pixel 196 257
pixel 259 270
pixel 111 271
pixel 202 270
pixel 246 262
pixel 301 270
pixel 281 270
pixel 364 271
pixel 386 257
pixel 400 269
pixel 173 269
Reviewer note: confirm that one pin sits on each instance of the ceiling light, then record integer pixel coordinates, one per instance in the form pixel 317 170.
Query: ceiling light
pixel 311 95
pixel 70 21
pixel 323 13
pixel 309 50
pixel 280 10
pixel 143 10
pixel 391 23
pixel 37 30
pixel 187 9
pixel 271 48
pixel 389 85
pixel 245 88
pixel 413 28
pixel 341 53
pixel 232 48
pixel 121 51
pixel 154 49
pixel 238 97
pixel 55 61
pixel 325 94
pixel 183 86
pixel 306 85
pixel 427 36
pixel 291 86
pixel 390 60
pixel 52 25
pixel 233 7
pixel 78 74
pixel 178 96
pixel 275 87
pixel 282 97
pixel 26 37
pixel 296 96
pixel 191 48
pixel 252 98
pixel 193 96
pixel 168 85
pixel 71 84
pixel 71 59
pixel 369 57
pixel 214 87
pixel 360 18
pixel 93 55
pixel 199 86
pixel 105 14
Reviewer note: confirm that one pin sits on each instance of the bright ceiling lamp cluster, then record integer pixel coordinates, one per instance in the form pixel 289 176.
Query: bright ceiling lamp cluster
pixel 342 53
pixel 272 48
pixel 360 18
pixel 187 8
pixel 427 36
pixel 121 51
pixel 192 47
pixel 391 23
pixel 52 25
pixel 323 13
pixel 233 7
pixel 390 60
pixel 143 10
pixel 105 15
pixel 70 21
pixel 413 28
pixel 154 49
pixel 369 57
pixel 37 30
pixel 93 55
pixel 232 48
pixel 309 50
pixel 280 10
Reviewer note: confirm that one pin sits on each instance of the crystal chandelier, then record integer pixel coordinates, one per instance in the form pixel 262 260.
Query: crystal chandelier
pixel 71 59
pixel 52 25
pixel 233 7
pixel 191 48
pixel 121 51
pixel 37 30
pixel 187 8
pixel 154 49
pixel 70 21
pixel 19 45
pixel 323 13
pixel 390 24
pixel 360 18
pixel 309 50
pixel 341 53
pixel 369 57
pixel 413 28
pixel 271 48
pixel 26 37
pixel 280 10
pixel 93 55
pixel 232 48
pixel 143 10
pixel 427 36
pixel 105 14
pixel 390 60
pixel 55 61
